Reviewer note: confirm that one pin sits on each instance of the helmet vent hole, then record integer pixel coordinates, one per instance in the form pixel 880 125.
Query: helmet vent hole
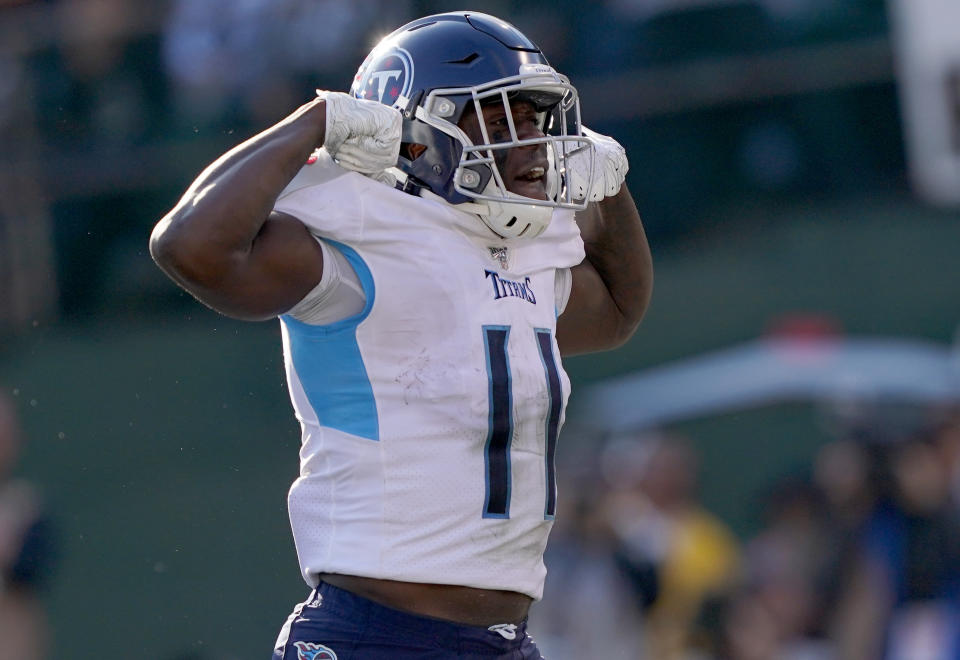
pixel 466 60
pixel 512 222
pixel 411 150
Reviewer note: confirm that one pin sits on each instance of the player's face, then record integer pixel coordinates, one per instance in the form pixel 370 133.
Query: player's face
pixel 524 169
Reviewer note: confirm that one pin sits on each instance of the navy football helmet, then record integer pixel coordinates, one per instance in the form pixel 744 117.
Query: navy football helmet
pixel 434 69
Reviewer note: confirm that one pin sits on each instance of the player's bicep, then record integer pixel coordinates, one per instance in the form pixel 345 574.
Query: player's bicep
pixel 284 263
pixel 589 320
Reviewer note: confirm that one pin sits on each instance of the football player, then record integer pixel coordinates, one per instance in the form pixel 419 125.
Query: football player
pixel 432 243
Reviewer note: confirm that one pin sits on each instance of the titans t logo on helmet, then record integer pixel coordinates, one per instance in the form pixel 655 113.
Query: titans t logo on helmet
pixel 386 77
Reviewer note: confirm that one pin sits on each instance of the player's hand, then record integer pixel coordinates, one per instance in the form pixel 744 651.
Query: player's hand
pixel 361 135
pixel 609 170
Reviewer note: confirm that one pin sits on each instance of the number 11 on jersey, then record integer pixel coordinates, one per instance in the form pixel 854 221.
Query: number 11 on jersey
pixel 500 433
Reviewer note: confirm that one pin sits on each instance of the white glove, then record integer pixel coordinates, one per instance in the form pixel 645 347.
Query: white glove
pixel 361 135
pixel 609 170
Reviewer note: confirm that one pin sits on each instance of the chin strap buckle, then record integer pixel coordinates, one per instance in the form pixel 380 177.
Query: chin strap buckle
pixel 410 186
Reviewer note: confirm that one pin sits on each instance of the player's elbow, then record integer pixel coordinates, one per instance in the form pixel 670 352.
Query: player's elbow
pixel 180 256
pixel 621 331
pixel 173 251
pixel 162 248
pixel 628 316
pixel 631 308
pixel 605 332
pixel 165 250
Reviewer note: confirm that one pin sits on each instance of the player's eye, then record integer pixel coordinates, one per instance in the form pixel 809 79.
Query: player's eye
pixel 499 128
pixel 528 120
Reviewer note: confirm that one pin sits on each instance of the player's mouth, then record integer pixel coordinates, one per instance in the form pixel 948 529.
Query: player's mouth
pixel 531 182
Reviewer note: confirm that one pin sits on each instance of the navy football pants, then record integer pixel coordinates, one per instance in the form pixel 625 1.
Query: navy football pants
pixel 333 624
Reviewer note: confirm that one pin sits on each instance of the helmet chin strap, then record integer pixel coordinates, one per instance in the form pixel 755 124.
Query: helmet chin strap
pixel 511 218
pixel 476 208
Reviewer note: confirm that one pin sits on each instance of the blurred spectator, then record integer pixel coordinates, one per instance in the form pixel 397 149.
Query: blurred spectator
pixel 787 566
pixel 100 85
pixel 678 554
pixel 844 475
pixel 25 553
pixel 27 281
pixel 949 440
pixel 742 627
pixel 902 597
pixel 250 59
pixel 645 32
pixel 99 96
pixel 589 609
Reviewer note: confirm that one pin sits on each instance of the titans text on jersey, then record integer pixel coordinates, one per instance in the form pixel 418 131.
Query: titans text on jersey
pixel 503 288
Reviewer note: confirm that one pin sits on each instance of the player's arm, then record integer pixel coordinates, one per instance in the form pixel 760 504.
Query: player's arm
pixel 223 242
pixel 611 288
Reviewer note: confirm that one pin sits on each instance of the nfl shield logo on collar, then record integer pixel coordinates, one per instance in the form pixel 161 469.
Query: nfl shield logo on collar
pixel 310 651
pixel 500 254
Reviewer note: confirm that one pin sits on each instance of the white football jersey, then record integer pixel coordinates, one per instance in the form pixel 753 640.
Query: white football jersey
pixel 430 419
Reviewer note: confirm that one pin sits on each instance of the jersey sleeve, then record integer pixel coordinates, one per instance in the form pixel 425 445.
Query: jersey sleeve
pixel 338 295
pixel 560 246
pixel 562 287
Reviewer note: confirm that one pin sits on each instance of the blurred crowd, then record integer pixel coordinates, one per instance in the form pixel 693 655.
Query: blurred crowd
pixel 857 558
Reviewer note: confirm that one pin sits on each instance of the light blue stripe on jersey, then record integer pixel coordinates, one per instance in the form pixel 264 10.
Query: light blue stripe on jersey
pixel 330 367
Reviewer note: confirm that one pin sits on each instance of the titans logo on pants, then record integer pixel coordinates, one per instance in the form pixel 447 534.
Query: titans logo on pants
pixel 310 651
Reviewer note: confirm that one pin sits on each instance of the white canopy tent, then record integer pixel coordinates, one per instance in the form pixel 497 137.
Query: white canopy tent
pixel 771 371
